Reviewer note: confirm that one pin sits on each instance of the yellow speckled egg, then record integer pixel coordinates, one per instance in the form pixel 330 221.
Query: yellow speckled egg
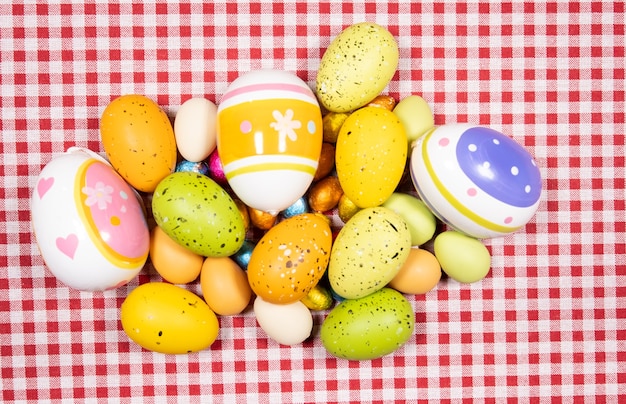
pixel 290 258
pixel 139 141
pixel 166 318
pixel 370 157
pixel 356 67
pixel 368 252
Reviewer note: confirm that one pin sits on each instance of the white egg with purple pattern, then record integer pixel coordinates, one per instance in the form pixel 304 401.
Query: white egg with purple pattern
pixel 476 179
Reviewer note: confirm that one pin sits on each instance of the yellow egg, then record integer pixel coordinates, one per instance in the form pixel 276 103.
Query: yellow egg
pixel 356 67
pixel 175 263
pixel 166 318
pixel 225 286
pixel 139 141
pixel 371 153
pixel 290 258
pixel 420 273
pixel 463 258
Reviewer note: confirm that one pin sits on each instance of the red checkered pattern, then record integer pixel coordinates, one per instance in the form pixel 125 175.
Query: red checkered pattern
pixel 548 324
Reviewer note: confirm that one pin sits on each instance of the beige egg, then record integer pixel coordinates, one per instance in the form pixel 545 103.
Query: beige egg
pixel 287 324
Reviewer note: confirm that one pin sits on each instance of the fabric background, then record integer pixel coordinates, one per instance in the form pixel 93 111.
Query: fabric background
pixel 548 324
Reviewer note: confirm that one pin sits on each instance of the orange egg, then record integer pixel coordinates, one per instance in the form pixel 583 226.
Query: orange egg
pixel 420 273
pixel 290 258
pixel 138 138
pixel 224 286
pixel 173 262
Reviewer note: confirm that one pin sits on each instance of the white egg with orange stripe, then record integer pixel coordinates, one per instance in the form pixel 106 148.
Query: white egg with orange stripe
pixel 269 138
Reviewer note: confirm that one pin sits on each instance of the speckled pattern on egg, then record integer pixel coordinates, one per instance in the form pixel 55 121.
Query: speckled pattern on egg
pixel 198 214
pixel 368 327
pixel 138 138
pixel 368 252
pixel 290 258
pixel 371 154
pixel 356 67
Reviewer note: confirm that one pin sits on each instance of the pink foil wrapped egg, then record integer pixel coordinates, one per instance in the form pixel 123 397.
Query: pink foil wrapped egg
pixel 269 138
pixel 88 222
pixel 475 179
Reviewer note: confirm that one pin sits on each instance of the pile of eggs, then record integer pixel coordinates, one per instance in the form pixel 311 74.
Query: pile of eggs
pixel 275 205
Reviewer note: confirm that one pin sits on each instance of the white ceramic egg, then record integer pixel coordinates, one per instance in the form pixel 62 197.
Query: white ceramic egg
pixel 476 179
pixel 88 222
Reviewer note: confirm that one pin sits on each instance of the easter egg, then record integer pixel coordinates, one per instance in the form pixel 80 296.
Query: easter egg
pixel 198 214
pixel 356 67
pixel 421 221
pixel 368 252
pixel 415 115
pixel 194 129
pixel 463 258
pixel 175 263
pixel 166 318
pixel 88 222
pixel 269 138
pixel 290 258
pixel 368 327
pixel 225 286
pixel 475 179
pixel 139 141
pixel 420 273
pixel 371 153
pixel 287 324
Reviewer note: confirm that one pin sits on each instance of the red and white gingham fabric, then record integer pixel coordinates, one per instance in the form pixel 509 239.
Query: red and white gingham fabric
pixel 548 324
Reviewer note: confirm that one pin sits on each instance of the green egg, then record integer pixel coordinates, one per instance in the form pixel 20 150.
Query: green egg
pixel 198 214
pixel 369 327
pixel 463 258
pixel 368 252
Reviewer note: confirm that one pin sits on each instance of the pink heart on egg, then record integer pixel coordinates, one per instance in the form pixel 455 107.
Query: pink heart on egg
pixel 68 245
pixel 44 185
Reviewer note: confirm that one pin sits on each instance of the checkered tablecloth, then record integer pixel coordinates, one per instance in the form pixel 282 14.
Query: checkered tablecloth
pixel 548 324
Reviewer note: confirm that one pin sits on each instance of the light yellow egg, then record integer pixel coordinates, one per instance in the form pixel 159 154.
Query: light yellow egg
pixel 370 156
pixel 463 258
pixel 356 67
pixel 416 116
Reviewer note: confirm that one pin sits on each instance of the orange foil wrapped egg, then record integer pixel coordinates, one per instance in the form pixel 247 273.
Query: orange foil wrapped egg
pixel 269 138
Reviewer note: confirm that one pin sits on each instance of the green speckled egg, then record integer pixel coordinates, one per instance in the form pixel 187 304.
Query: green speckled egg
pixel 370 155
pixel 198 214
pixel 356 67
pixel 368 252
pixel 369 327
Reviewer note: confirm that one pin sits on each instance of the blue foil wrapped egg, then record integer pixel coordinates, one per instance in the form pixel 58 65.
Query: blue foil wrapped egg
pixel 476 179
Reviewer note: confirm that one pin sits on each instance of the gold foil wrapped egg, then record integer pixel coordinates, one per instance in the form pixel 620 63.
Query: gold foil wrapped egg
pixel 383 101
pixel 346 208
pixel 331 123
pixel 326 162
pixel 260 219
pixel 318 298
pixel 325 194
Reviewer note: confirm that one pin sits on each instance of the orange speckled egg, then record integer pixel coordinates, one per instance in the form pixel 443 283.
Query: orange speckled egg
pixel 224 286
pixel 290 258
pixel 175 263
pixel 139 141
pixel 420 273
